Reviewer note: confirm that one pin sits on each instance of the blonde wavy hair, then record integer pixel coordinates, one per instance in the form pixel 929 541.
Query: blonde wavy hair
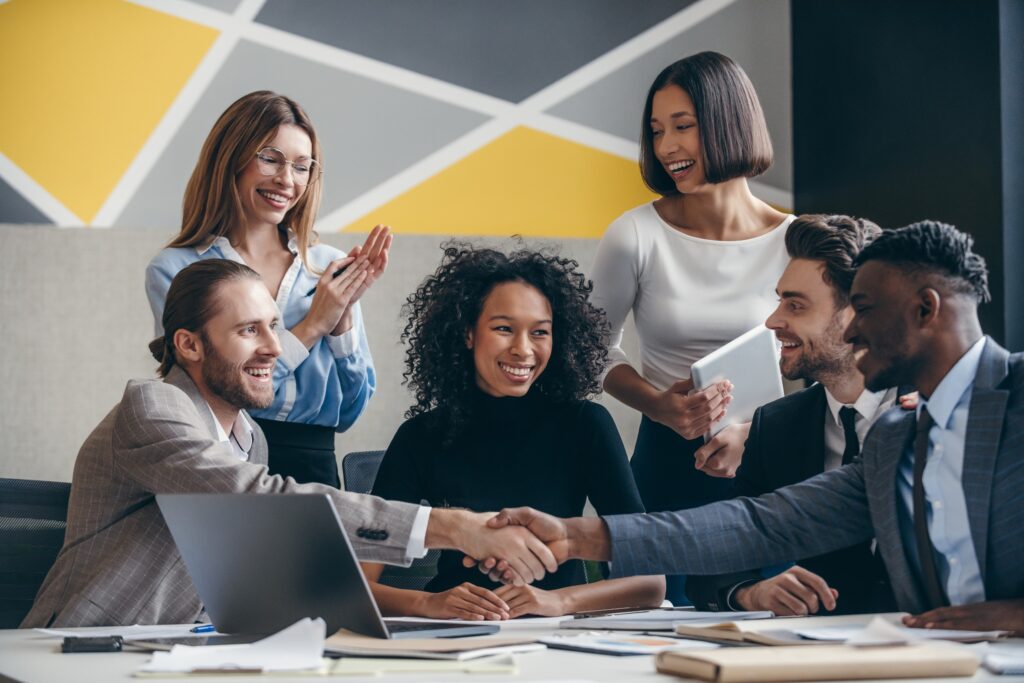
pixel 212 206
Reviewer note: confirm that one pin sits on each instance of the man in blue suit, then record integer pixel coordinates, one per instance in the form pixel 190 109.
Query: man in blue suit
pixel 812 431
pixel 941 488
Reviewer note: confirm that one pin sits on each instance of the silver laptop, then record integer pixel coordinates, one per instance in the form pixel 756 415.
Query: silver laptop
pixel 261 562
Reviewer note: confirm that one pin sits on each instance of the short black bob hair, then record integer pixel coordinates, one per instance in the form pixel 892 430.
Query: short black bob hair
pixel 733 134
pixel 933 247
pixel 440 368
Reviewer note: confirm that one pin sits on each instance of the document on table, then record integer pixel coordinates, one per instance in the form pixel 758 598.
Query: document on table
pixel 1001 658
pixel 522 622
pixel 619 644
pixel 882 632
pixel 298 648
pixel 654 620
pixel 135 632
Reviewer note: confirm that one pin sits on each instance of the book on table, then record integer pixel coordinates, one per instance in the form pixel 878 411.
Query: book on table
pixel 825 663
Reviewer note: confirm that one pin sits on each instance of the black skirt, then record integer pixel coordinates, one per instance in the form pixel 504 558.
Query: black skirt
pixel 301 451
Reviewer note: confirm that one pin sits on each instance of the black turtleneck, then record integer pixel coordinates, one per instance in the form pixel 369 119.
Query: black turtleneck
pixel 512 452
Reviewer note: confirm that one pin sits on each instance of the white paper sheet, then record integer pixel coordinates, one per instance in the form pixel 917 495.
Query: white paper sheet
pixel 299 647
pixel 882 632
pixel 524 622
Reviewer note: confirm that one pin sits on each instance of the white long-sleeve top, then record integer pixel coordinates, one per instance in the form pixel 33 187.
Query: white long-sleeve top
pixel 688 295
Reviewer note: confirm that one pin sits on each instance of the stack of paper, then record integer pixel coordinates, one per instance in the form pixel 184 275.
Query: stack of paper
pixel 877 632
pixel 348 643
pixel 298 648
pixel 616 644
pixel 654 620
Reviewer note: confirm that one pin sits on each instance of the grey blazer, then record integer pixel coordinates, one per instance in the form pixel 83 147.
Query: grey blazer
pixel 853 503
pixel 119 564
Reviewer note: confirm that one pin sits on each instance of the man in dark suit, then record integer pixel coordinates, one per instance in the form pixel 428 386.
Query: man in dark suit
pixel 812 431
pixel 941 488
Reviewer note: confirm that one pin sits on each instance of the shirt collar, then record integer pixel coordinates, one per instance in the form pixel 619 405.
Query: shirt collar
pixel 953 386
pixel 222 243
pixel 866 405
pixel 241 430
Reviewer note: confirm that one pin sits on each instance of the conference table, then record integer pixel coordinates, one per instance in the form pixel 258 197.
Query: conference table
pixel 30 657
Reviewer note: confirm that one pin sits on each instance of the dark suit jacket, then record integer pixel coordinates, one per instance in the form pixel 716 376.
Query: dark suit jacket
pixel 851 504
pixel 786 445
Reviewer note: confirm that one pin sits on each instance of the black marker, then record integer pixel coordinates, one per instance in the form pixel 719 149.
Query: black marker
pixel 338 272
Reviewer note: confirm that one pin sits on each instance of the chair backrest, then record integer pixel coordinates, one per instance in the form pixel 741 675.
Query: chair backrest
pixel 33 517
pixel 359 470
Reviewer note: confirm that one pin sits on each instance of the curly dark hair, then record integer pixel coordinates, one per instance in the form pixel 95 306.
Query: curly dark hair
pixel 934 247
pixel 440 369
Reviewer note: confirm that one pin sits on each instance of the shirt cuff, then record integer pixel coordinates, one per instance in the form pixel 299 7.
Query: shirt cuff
pixel 293 351
pixel 345 344
pixel 417 547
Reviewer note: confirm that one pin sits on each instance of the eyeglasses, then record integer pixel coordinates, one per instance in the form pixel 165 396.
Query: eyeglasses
pixel 271 161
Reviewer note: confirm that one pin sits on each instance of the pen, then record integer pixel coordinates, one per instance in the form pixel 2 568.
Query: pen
pixel 203 628
pixel 338 272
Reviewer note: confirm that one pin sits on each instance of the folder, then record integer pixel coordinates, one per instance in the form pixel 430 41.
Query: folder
pixel 824 663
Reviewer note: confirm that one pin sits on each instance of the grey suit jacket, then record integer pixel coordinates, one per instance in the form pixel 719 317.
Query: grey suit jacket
pixel 119 564
pixel 853 503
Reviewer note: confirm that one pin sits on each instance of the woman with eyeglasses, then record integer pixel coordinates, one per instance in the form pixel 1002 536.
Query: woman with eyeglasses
pixel 253 198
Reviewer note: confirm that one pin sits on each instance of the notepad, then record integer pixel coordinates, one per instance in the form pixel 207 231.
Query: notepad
pixel 348 643
pixel 654 620
pixel 825 663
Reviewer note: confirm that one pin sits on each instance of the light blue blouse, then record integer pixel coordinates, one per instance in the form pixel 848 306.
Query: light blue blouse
pixel 328 385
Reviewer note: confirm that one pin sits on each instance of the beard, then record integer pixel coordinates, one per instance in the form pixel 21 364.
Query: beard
pixel 224 379
pixel 825 356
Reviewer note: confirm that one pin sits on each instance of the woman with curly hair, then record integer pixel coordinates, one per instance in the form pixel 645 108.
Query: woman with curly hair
pixel 503 352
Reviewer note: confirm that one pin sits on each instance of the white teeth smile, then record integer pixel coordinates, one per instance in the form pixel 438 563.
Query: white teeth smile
pixel 676 166
pixel 790 345
pixel 258 372
pixel 518 372
pixel 273 196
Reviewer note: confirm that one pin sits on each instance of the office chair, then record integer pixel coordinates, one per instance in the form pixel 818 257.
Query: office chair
pixel 358 471
pixel 33 516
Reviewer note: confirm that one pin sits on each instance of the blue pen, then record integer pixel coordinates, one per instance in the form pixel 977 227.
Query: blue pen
pixel 203 628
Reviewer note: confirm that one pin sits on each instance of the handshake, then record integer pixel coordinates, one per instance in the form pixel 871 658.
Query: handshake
pixel 518 545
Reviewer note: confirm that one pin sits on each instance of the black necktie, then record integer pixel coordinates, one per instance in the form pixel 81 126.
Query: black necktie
pixel 848 416
pixel 925 550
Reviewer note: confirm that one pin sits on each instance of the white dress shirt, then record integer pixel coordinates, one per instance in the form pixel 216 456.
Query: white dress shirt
pixel 869 406
pixel 948 524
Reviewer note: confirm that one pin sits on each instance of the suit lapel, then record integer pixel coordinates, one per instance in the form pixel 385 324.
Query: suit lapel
pixel 179 378
pixel 981 444
pixel 895 429
pixel 814 453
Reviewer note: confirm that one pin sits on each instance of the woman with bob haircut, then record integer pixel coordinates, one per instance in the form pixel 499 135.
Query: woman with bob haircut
pixel 503 352
pixel 253 198
pixel 697 268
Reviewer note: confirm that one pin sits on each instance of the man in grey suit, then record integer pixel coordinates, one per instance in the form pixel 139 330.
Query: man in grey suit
pixel 190 434
pixel 941 489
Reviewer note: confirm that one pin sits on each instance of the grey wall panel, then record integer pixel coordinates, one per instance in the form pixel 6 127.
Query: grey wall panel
pixel 16 209
pixel 755 33
pixel 76 315
pixel 505 49
pixel 369 131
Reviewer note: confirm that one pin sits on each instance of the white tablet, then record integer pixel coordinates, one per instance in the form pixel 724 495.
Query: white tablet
pixel 751 363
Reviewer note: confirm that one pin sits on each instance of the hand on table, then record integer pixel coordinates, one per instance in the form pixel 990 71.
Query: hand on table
pixel 688 412
pixel 530 600
pixel 723 454
pixel 466 601
pixel 994 615
pixel 794 592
